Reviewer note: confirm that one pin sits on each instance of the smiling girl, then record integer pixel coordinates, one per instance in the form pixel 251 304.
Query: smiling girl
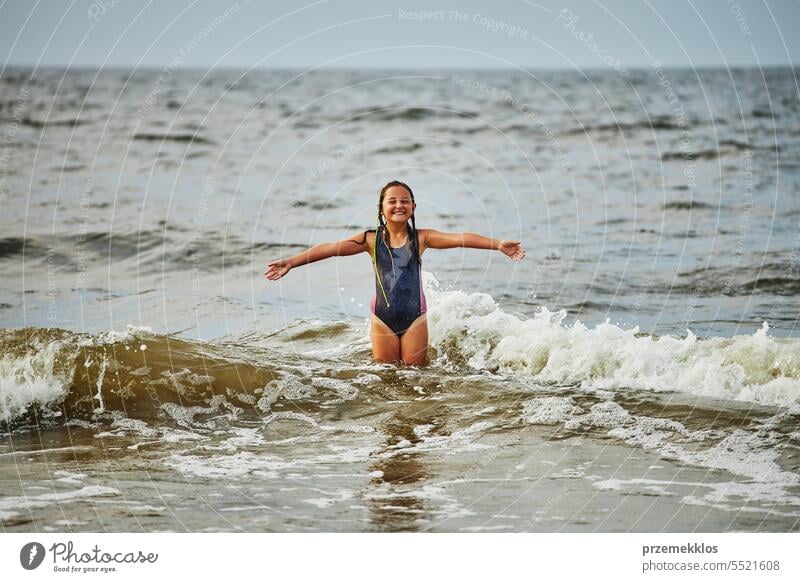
pixel 399 328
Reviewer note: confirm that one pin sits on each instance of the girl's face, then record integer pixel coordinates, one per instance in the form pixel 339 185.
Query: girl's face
pixel 397 205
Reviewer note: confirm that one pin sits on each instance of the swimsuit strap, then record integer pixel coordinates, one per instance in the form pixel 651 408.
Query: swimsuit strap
pixel 416 248
pixel 375 261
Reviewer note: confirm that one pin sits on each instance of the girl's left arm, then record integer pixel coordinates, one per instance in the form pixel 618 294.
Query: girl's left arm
pixel 449 240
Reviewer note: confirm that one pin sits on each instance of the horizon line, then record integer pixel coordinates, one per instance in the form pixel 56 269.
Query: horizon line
pixel 405 68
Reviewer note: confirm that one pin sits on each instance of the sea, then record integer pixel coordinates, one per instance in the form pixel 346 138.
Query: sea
pixel 638 371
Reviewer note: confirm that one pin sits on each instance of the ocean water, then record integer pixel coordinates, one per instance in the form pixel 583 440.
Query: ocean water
pixel 639 370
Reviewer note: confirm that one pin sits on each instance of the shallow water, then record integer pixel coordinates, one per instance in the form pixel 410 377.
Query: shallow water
pixel 296 430
pixel 638 371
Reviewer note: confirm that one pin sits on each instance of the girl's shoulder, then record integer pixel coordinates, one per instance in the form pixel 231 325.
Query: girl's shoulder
pixel 366 238
pixel 363 234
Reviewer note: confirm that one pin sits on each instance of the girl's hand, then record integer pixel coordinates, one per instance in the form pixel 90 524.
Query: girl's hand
pixel 277 269
pixel 512 249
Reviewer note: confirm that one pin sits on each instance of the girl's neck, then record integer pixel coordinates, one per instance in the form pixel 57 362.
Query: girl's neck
pixel 397 231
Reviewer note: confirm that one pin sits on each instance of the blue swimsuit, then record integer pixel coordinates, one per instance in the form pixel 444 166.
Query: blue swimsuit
pixel 401 274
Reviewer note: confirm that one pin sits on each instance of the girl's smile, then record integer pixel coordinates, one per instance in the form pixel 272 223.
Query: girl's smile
pixel 398 207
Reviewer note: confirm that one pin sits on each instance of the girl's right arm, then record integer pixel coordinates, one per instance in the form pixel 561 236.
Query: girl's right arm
pixel 350 246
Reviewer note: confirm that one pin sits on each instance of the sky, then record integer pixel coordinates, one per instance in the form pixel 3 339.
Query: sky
pixel 568 34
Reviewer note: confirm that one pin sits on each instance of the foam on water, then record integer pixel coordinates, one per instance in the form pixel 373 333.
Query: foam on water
pixel 38 367
pixel 34 378
pixel 549 410
pixel 761 497
pixel 751 457
pixel 11 506
pixel 472 329
pixel 467 330
pixel 263 465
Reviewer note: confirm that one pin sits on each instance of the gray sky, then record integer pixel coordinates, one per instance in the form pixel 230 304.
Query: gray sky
pixel 379 33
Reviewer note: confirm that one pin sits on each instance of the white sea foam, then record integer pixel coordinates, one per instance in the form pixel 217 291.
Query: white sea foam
pixel 345 390
pixel 34 378
pixel 115 337
pixel 457 442
pixel 42 375
pixel 247 463
pixel 228 466
pixel 354 428
pixel 762 497
pixel 549 410
pixel 749 456
pixel 333 498
pixel 752 368
pixel 69 478
pixel 11 506
pixel 304 418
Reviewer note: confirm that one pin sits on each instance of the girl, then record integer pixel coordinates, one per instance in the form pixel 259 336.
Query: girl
pixel 399 329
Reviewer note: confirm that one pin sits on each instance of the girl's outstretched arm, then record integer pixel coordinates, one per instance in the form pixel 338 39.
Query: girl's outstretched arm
pixel 448 240
pixel 350 246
